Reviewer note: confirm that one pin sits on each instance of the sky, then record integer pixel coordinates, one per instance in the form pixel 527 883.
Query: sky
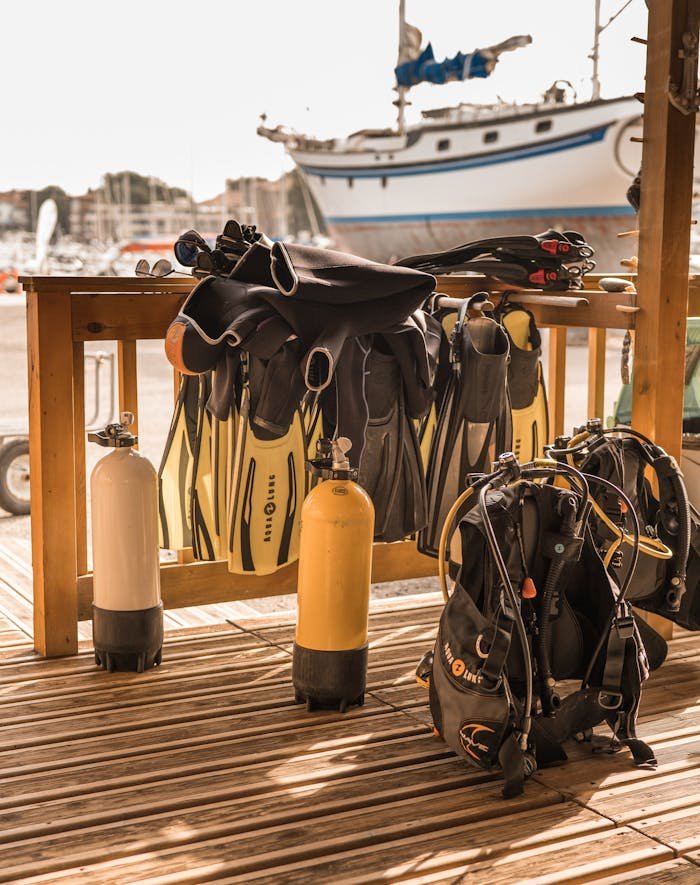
pixel 174 88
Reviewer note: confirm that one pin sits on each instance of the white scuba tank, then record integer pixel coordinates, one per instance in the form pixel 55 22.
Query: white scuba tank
pixel 127 612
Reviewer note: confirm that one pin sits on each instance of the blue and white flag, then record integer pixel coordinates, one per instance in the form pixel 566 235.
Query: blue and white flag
pixel 480 63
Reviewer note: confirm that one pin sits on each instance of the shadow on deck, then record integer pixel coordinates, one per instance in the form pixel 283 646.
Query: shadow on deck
pixel 205 770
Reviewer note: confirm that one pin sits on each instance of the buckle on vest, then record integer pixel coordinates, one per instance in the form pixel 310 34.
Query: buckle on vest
pixel 624 626
pixel 609 700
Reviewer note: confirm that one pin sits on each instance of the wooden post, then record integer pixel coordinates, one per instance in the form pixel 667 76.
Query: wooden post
pixel 52 471
pixel 128 383
pixel 596 373
pixel 664 231
pixel 664 235
pixel 556 380
pixel 79 455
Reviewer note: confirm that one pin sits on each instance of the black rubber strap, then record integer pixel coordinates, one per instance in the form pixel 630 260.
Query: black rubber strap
pixel 510 758
pixel 621 630
pixel 499 645
pixel 642 753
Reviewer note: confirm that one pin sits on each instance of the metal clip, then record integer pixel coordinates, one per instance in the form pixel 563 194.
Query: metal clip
pixel 479 650
pixel 609 700
pixel 684 98
pixel 624 626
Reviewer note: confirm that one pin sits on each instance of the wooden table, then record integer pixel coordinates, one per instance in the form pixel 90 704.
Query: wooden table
pixel 65 312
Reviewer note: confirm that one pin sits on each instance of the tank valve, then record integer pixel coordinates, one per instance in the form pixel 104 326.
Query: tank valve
pixel 117 435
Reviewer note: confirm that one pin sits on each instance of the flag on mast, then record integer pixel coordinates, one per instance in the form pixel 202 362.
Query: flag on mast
pixel 410 41
pixel 416 66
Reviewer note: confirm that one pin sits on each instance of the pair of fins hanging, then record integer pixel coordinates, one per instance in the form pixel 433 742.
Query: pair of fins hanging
pixel 291 331
pixel 552 260
pixel 491 400
pixel 490 396
pixel 232 491
pixel 209 465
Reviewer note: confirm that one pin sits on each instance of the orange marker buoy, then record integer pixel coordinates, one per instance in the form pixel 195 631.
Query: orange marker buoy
pixel 528 589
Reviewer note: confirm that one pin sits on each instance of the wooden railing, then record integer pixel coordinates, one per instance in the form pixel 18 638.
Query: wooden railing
pixel 63 313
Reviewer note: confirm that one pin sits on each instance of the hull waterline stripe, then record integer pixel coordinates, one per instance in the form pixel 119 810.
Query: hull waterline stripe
pixel 559 212
pixel 507 156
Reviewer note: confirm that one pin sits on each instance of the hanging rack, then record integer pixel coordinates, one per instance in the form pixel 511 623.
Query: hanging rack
pixel 529 296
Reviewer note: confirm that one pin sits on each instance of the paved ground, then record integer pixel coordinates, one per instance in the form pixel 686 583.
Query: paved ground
pixel 156 397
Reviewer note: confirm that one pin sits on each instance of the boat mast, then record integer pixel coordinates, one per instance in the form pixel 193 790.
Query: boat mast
pixel 401 101
pixel 595 79
pixel 595 53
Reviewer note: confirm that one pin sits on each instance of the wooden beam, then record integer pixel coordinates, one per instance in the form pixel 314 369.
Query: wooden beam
pixel 79 455
pixel 596 373
pixel 52 473
pixel 99 285
pixel 664 236
pixel 601 312
pixel 121 316
pixel 204 583
pixel 128 381
pixel 664 231
pixel 556 380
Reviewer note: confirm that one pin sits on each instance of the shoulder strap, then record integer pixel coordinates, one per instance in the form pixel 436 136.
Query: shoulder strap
pixel 674 511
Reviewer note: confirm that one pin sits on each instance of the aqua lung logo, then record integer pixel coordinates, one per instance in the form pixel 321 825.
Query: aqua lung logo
pixel 458 667
pixel 472 744
pixel 269 508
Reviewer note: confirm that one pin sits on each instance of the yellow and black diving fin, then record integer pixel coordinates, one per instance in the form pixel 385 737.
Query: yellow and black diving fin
pixel 209 475
pixel 175 472
pixel 528 395
pixel 223 442
pixel 268 486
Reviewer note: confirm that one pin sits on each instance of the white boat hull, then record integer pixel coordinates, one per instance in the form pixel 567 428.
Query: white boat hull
pixel 565 166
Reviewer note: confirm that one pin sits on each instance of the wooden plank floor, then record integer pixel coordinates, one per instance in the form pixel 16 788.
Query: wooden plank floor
pixel 204 770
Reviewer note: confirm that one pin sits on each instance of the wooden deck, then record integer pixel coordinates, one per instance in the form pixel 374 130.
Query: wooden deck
pixel 205 770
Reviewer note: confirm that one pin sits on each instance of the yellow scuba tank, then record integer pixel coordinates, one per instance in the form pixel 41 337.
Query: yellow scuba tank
pixel 127 613
pixel 329 666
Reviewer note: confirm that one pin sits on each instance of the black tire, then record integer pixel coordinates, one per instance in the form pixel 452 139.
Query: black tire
pixel 10 469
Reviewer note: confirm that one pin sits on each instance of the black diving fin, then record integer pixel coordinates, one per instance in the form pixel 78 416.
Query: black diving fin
pixel 474 422
pixel 550 260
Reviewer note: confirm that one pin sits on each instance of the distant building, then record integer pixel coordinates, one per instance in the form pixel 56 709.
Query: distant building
pixel 14 210
pixel 92 218
pixel 250 200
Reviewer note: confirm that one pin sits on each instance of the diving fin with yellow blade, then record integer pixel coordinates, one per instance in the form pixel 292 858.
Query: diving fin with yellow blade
pixel 267 491
pixel 175 472
pixel 528 395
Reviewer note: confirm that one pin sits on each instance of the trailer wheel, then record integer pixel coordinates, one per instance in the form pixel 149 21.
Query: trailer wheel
pixel 14 477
